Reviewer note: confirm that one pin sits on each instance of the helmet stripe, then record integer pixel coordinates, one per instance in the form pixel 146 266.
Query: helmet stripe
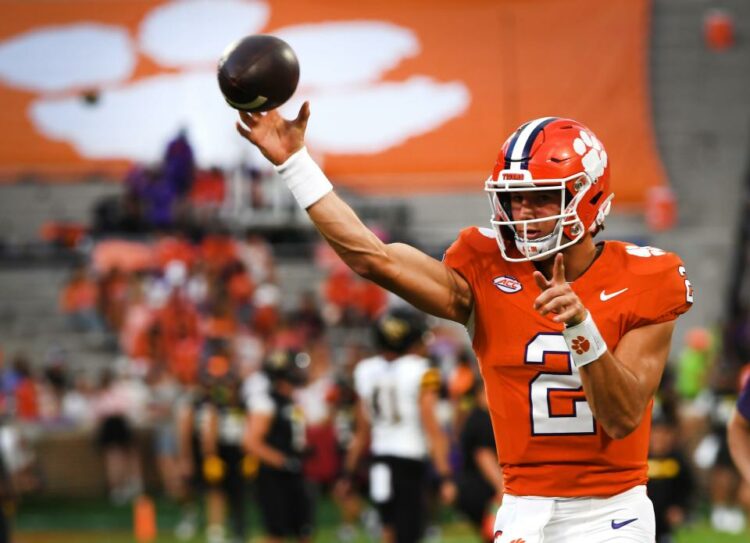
pixel 512 144
pixel 532 137
pixel 517 157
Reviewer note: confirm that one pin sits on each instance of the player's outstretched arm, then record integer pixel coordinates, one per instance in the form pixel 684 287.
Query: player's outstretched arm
pixel 738 437
pixel 418 278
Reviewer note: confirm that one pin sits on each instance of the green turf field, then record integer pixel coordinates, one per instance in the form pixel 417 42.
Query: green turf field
pixel 76 521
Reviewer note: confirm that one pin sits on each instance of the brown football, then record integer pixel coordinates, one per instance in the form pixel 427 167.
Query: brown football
pixel 258 73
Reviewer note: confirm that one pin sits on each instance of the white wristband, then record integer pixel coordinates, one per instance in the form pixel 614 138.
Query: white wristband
pixel 304 178
pixel 585 342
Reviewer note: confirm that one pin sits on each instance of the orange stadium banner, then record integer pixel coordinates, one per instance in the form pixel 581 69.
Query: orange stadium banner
pixel 406 96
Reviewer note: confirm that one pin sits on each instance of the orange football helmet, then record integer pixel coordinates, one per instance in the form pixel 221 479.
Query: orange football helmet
pixel 550 153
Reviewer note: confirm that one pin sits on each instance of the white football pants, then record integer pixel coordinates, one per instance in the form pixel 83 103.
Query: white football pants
pixel 625 517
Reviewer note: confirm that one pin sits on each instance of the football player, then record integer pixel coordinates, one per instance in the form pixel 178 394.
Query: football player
pixel 223 422
pixel 396 415
pixel 571 336
pixel 276 436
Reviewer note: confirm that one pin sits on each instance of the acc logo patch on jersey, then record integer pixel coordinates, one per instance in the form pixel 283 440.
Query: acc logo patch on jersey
pixel 507 284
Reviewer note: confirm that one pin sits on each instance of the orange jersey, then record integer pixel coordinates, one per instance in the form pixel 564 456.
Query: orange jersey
pixel 548 442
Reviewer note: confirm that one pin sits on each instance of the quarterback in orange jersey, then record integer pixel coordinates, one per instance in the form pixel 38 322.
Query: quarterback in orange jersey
pixel 571 336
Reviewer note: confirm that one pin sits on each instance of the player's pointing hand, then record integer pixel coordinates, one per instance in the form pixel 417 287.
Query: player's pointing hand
pixel 276 137
pixel 557 297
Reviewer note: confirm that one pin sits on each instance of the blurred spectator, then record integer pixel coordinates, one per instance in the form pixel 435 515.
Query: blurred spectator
pixel 52 392
pixel 76 403
pixel 694 363
pixel 267 318
pixel 240 290
pixel 112 297
pixel 670 482
pixel 78 302
pixel 218 250
pixel 137 319
pixel 257 255
pixel 209 188
pixel 114 435
pixel 322 462
pixel 171 248
pixel 164 392
pixel 63 234
pixel 179 164
pixel 369 300
pixel 178 319
pixel 26 392
pixel 184 357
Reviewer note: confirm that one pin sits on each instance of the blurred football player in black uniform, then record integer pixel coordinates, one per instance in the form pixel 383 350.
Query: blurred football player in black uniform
pixel 276 436
pixel 222 427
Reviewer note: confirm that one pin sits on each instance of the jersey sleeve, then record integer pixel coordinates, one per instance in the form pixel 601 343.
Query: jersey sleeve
pixel 665 294
pixel 430 380
pixel 262 403
pixel 460 255
pixel 359 379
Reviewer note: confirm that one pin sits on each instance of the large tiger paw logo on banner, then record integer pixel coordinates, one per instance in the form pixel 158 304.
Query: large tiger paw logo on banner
pixel 356 111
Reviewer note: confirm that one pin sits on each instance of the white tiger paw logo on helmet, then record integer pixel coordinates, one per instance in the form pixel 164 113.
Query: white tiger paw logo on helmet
pixel 594 156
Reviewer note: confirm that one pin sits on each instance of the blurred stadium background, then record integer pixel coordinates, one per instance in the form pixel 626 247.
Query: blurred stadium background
pixel 140 236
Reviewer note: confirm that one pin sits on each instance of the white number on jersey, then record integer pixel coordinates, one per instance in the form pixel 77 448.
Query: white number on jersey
pixel 688 285
pixel 385 404
pixel 543 421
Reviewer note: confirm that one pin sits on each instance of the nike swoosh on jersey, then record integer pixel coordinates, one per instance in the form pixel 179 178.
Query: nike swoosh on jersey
pixel 617 525
pixel 603 296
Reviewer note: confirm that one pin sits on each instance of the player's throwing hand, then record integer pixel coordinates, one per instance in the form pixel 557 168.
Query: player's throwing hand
pixel 276 137
pixel 557 297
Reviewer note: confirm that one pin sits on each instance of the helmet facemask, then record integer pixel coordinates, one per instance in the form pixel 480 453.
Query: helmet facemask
pixel 568 230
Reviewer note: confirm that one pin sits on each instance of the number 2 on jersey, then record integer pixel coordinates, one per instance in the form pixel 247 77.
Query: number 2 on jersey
pixel 544 385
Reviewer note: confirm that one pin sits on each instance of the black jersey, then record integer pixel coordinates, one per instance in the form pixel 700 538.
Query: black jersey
pixel 287 431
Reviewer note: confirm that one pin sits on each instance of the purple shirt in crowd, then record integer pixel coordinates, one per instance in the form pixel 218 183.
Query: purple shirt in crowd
pixel 743 402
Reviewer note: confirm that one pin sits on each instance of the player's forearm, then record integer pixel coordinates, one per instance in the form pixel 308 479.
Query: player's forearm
pixel 614 394
pixel 356 451
pixel 439 448
pixel 439 445
pixel 738 438
pixel 266 454
pixel 357 246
